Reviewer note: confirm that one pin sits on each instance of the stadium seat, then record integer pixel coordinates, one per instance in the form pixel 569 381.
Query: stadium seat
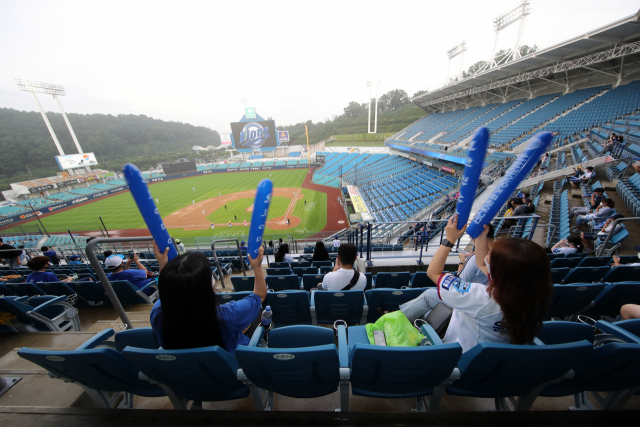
pixel 595 261
pixel 392 280
pixel 325 270
pixel 242 283
pixel 301 271
pixel 369 284
pixel 585 274
pixel 300 264
pixel 613 368
pixel 91 292
pixel 310 281
pixel 97 370
pixel 570 300
pixel 24 289
pixel 224 297
pixel 279 271
pixel 503 371
pixel 279 265
pixel 565 262
pixel 55 288
pixel 330 306
pixel 380 301
pixel 129 294
pixel 45 313
pixel 290 308
pixel 322 264
pixel 401 372
pixel 313 366
pixel 622 273
pixel 613 297
pixel 283 283
pixel 419 279
pixel 557 274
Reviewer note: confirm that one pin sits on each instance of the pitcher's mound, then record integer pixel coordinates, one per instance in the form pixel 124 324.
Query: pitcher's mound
pixel 249 209
pixel 280 224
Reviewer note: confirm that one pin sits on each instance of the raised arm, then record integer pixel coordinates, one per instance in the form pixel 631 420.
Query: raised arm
pixel 439 260
pixel 482 250
pixel 259 285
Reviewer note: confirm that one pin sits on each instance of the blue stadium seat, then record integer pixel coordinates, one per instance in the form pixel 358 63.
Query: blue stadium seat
pixel 311 368
pixel 278 271
pixel 290 308
pixel 283 283
pixel 45 313
pixel 565 262
pixel 392 280
pixel 557 274
pixel 300 264
pixel 279 265
pixel 419 279
pixel 224 297
pixel 503 371
pixel 91 292
pixel 613 297
pixel 55 288
pixel 380 301
pixel 25 289
pixel 301 271
pixel 401 372
pixel 242 283
pixel 325 270
pixel 369 284
pixel 322 264
pixel 600 261
pixel 97 370
pixel 330 306
pixel 129 294
pixel 585 274
pixel 623 273
pixel 310 281
pixel 570 300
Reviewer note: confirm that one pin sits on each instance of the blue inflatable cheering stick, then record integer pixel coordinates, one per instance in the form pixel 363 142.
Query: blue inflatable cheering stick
pixel 259 217
pixel 536 146
pixel 148 209
pixel 471 176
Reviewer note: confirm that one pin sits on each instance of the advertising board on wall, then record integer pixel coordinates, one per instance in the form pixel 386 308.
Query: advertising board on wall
pixel 356 200
pixel 41 188
pixel 71 161
pixel 63 183
pixel 225 139
pixel 446 169
pixel 283 135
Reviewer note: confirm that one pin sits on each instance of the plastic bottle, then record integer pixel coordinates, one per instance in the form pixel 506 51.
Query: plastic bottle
pixel 266 318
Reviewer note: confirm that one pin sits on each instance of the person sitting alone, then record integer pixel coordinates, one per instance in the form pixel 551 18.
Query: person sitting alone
pixel 576 181
pixel 39 264
pixel 51 254
pixel 283 254
pixel 468 269
pixel 570 245
pixel 508 310
pixel 75 260
pixel 120 271
pixel 188 314
pixel 320 253
pixel 344 276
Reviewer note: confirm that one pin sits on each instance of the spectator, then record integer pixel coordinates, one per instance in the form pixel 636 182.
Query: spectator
pixel 530 208
pixel 11 254
pixel 39 264
pixel 75 260
pixel 106 255
pixel 24 256
pixel 51 253
pixel 243 247
pixel 336 242
pixel 506 311
pixel 596 197
pixel 589 237
pixel 189 315
pixel 180 247
pixel 600 215
pixel 570 245
pixel 344 276
pixel 468 270
pixel 616 262
pixel 283 254
pixel 279 243
pixel 575 182
pixel 630 311
pixel 320 252
pixel 120 271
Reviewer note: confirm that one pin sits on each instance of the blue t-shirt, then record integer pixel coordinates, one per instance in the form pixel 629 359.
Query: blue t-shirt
pixel 236 315
pixel 50 254
pixel 42 276
pixel 137 278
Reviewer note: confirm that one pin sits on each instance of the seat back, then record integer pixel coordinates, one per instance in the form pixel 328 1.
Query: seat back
pixel 55 288
pixel 242 283
pixel 24 289
pixel 224 297
pixel 310 368
pixel 420 279
pixel 586 274
pixel 400 371
pixel 369 284
pixel 392 280
pixel 325 270
pixel 381 300
pixel 207 373
pixel 126 292
pixel 322 264
pixel 310 281
pixel 568 300
pixel 623 273
pixel 278 271
pixel 300 264
pixel 289 308
pixel 598 261
pixel 279 265
pixel 613 297
pixel 338 305
pixel 565 262
pixel 557 274
pixel 503 370
pixel 283 283
pixel 90 291
pixel 101 369
pixel 301 271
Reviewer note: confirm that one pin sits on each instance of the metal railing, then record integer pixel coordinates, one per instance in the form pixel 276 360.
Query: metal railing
pixel 215 257
pixel 611 232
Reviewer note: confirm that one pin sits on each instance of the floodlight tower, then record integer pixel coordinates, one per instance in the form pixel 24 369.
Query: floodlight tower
pixel 370 84
pixel 455 51
pixel 518 13
pixel 55 91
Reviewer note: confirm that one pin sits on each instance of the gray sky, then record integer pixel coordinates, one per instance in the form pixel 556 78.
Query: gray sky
pixel 193 61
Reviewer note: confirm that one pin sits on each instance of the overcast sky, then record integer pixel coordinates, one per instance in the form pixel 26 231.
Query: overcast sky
pixel 194 61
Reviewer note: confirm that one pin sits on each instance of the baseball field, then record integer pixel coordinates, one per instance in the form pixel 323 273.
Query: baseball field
pixel 189 207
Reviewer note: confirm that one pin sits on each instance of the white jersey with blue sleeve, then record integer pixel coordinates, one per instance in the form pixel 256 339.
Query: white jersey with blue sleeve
pixel 471 272
pixel 476 316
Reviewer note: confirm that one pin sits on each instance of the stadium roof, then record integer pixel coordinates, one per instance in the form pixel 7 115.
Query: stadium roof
pixel 584 54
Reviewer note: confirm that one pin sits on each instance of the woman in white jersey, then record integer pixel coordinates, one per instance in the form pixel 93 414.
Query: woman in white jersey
pixel 510 309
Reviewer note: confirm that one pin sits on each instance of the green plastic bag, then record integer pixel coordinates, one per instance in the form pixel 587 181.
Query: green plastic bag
pixel 398 330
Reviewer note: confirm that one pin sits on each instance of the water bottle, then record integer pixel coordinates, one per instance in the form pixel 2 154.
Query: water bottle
pixel 265 322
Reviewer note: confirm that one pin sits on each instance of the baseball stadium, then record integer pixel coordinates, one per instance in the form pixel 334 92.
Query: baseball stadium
pixel 478 259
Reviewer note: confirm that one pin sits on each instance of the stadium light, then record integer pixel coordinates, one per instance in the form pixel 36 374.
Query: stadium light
pixel 455 51
pixel 518 13
pixel 55 91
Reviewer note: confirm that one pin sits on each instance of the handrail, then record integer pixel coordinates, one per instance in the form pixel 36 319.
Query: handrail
pixel 611 232
pixel 215 257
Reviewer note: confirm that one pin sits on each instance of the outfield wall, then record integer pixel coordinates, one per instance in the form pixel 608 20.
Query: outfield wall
pixel 15 219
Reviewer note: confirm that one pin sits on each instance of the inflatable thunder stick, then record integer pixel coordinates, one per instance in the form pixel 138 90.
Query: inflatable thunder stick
pixel 536 146
pixel 259 217
pixel 148 210
pixel 472 170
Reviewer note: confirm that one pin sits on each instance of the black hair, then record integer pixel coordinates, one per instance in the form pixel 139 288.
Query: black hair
pixel 107 254
pixel 1 240
pixel 589 168
pixel 347 253
pixel 320 253
pixel 270 243
pixel 44 248
pixel 282 250
pixel 38 262
pixel 610 203
pixel 598 190
pixel 576 241
pixel 517 202
pixel 492 232
pixel 21 247
pixel 189 305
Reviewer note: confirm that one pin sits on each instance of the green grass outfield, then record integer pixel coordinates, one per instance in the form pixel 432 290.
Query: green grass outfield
pixel 121 212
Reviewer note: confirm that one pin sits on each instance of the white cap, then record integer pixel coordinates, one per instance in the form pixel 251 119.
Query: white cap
pixel 113 262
